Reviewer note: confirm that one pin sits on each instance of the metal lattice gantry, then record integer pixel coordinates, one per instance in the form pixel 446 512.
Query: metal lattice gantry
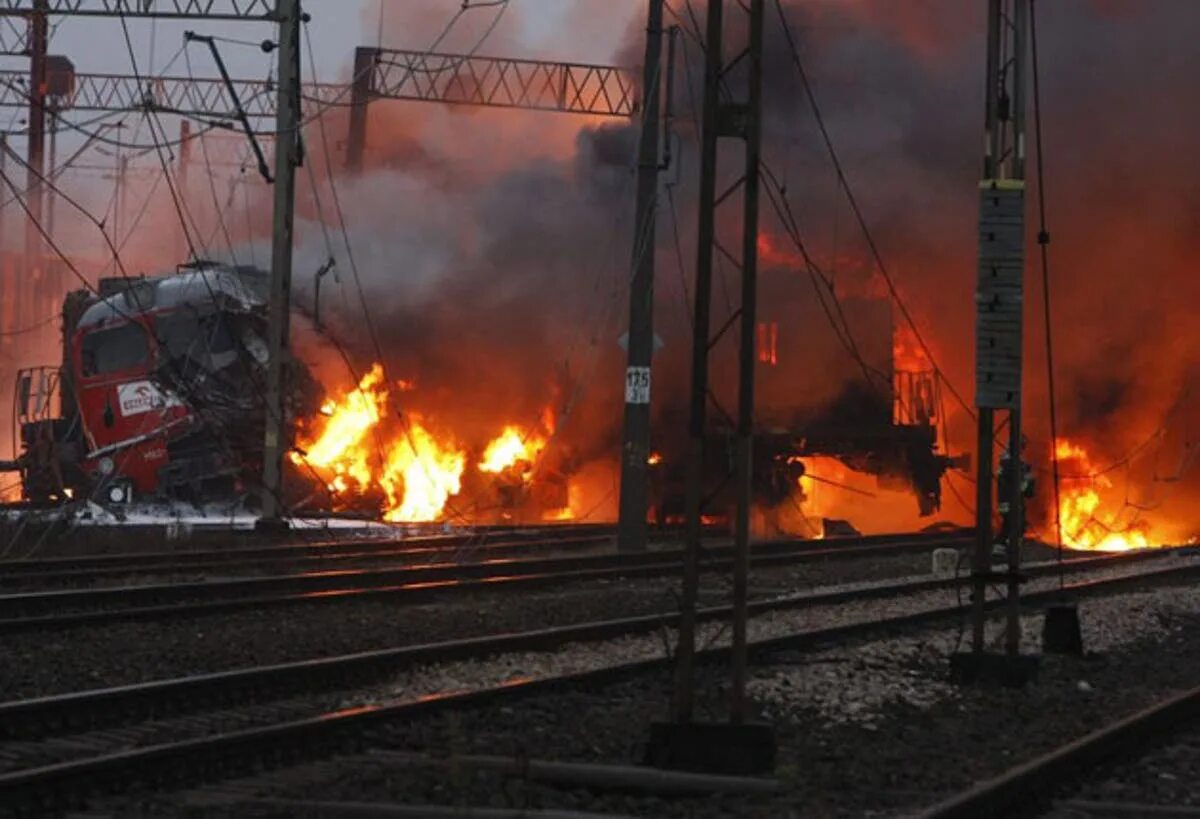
pixel 493 82
pixel 190 96
pixel 178 9
pixel 14 37
pixel 574 88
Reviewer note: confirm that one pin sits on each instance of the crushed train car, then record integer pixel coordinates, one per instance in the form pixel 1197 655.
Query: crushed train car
pixel 159 393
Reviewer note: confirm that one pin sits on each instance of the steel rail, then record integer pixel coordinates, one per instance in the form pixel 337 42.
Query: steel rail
pixel 433 552
pixel 1024 789
pixel 296 552
pixel 56 786
pixel 94 708
pixel 26 610
pixel 238 551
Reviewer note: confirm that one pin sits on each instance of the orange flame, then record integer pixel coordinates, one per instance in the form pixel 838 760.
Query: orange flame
pixel 1082 524
pixel 415 472
pixel 420 475
pixel 829 489
pixel 340 454
pixel 513 449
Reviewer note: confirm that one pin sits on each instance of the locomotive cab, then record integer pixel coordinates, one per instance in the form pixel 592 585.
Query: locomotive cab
pixel 159 394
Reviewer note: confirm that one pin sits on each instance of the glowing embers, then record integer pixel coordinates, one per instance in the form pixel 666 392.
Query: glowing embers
pixel 1085 520
pixel 358 448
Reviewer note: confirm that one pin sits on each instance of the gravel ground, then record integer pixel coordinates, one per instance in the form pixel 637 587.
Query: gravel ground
pixel 444 678
pixel 459 676
pixel 1167 776
pixel 864 730
pixel 39 664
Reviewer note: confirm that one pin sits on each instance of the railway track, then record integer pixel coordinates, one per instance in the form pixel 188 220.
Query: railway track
pixel 75 572
pixel 75 607
pixel 1030 789
pixel 489 543
pixel 60 748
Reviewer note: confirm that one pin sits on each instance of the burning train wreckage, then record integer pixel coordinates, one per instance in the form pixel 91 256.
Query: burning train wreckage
pixel 159 398
pixel 473 408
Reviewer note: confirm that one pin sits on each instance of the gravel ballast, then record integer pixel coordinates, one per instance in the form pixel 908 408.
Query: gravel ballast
pixel 40 664
pixel 867 729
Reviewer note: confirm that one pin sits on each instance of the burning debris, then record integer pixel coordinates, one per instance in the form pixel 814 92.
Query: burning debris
pixel 494 296
pixel 368 454
pixel 1089 520
pixel 364 452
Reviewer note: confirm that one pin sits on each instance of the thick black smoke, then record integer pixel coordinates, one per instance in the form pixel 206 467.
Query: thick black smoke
pixel 496 278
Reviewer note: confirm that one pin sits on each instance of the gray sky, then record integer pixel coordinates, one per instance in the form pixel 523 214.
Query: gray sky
pixel 535 28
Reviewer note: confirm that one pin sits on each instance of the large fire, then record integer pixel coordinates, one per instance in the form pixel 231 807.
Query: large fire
pixel 1084 524
pixel 414 471
pixel 361 450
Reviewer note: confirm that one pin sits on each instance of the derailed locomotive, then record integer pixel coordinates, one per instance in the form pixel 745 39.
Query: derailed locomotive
pixel 159 393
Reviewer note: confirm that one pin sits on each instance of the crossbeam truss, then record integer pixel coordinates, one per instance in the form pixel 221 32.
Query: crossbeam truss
pixel 14 37
pixel 162 9
pixel 190 96
pixel 14 14
pixel 573 88
pixel 417 76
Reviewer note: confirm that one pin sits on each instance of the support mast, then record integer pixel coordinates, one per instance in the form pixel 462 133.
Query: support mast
pixel 635 450
pixel 1000 315
pixel 287 158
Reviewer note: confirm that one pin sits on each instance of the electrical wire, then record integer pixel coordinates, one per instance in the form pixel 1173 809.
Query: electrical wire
pixel 99 224
pixel 1044 245
pixel 176 199
pixel 357 282
pixel 368 321
pixel 810 94
pixel 209 176
pixel 31 327
pixel 116 257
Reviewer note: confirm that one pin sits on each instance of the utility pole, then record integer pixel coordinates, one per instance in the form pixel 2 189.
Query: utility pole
pixel 119 206
pixel 999 327
pixel 734 113
pixel 4 149
pixel 38 44
pixel 51 282
pixel 684 693
pixel 8 276
pixel 185 156
pixel 50 196
pixel 287 158
pixel 752 134
pixel 635 452
pixel 365 58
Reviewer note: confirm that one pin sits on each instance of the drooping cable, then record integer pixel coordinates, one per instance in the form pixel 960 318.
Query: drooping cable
pixel 876 254
pixel 1044 246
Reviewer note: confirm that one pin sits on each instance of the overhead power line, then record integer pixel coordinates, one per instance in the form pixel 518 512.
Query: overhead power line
pixel 844 182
